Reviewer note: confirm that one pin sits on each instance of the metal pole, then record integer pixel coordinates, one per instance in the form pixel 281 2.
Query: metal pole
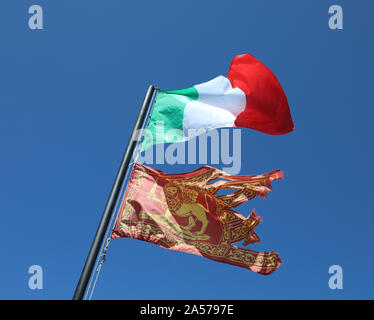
pixel 103 225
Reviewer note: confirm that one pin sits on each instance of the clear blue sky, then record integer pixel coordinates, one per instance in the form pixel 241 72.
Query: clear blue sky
pixel 69 96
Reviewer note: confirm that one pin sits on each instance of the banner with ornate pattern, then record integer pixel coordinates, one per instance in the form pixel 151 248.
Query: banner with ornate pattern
pixel 182 212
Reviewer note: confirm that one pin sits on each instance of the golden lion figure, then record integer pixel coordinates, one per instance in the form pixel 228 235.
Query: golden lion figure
pixel 182 202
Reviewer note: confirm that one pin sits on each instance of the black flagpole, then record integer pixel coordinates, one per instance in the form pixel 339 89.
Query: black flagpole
pixel 103 225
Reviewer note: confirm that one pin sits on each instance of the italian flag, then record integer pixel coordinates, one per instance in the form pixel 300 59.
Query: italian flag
pixel 250 96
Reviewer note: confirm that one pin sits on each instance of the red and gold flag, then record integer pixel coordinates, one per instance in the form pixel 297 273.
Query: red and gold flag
pixel 182 212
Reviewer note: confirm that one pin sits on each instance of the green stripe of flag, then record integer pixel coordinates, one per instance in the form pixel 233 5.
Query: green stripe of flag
pixel 169 109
